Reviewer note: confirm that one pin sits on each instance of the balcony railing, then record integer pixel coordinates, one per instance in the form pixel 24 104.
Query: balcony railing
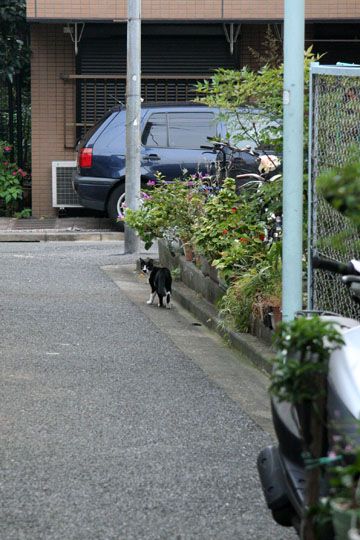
pixel 88 97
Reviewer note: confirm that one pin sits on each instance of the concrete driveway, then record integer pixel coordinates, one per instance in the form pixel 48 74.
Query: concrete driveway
pixel 117 419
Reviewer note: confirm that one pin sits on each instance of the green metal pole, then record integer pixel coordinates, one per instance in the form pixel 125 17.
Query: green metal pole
pixel 293 166
pixel 133 119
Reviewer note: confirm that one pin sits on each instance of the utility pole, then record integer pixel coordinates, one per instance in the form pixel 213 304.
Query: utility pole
pixel 133 118
pixel 293 167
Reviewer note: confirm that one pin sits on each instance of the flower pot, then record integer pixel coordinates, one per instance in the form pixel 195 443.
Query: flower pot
pixel 276 316
pixel 188 252
pixel 343 518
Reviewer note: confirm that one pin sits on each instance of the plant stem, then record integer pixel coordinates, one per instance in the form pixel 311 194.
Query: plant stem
pixel 312 479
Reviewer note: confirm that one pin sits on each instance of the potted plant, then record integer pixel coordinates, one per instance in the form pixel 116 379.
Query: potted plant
pixel 300 378
pixel 345 492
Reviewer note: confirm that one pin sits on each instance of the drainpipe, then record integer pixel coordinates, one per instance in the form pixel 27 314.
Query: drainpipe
pixel 293 166
pixel 133 118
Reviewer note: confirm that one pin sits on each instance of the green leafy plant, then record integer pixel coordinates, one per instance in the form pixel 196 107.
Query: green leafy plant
pixel 170 208
pixel 257 285
pixel 304 346
pixel 223 225
pixel 231 90
pixel 14 39
pixel 344 497
pixel 25 213
pixel 300 378
pixel 244 252
pixel 11 177
pixel 341 186
pixel 271 53
pixel 345 478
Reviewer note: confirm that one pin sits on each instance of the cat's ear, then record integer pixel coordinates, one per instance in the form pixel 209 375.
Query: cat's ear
pixel 142 261
pixel 150 261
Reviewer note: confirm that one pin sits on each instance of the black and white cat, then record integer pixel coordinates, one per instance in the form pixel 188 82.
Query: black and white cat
pixel 160 282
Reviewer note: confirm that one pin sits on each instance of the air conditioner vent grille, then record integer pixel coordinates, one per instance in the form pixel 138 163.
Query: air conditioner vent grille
pixel 63 194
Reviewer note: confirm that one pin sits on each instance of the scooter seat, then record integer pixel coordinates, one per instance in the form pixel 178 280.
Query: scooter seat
pixel 350 279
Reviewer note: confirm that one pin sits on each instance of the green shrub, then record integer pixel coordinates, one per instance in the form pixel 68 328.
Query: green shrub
pixel 11 177
pixel 168 208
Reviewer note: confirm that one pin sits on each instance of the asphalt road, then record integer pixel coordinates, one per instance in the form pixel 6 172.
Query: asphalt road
pixel 109 430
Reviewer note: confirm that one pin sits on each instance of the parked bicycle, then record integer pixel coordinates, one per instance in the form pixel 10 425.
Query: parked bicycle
pixel 242 164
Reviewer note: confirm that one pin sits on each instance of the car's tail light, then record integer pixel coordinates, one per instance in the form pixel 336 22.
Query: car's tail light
pixel 85 158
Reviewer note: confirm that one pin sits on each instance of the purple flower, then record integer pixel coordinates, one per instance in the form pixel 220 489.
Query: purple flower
pixel 120 217
pixel 190 183
pixel 151 183
pixel 145 196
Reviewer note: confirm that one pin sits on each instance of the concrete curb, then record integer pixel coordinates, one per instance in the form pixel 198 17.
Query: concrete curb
pixel 60 236
pixel 257 352
pixel 194 293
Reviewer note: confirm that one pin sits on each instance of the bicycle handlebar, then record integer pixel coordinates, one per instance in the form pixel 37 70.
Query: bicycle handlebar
pixel 337 267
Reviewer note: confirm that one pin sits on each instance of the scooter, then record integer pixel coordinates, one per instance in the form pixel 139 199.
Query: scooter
pixel 281 467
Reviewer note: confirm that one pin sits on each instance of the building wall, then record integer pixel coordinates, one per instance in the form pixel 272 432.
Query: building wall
pixel 52 55
pixel 189 9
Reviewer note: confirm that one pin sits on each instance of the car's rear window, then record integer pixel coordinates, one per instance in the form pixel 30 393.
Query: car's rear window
pixel 97 126
pixel 112 138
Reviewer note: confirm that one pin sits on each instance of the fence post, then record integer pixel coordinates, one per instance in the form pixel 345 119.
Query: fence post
pixel 293 101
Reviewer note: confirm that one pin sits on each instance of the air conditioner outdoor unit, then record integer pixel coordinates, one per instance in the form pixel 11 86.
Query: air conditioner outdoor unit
pixel 63 194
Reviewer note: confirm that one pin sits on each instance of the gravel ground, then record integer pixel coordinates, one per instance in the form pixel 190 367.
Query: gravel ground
pixel 108 430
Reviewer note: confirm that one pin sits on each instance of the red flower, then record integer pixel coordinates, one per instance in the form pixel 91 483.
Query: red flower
pixel 243 240
pixel 225 231
pixel 22 173
pixel 234 209
pixel 262 237
pixel 7 148
pixel 6 163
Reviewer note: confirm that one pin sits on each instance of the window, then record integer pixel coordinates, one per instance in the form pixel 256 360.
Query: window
pixel 190 130
pixel 155 131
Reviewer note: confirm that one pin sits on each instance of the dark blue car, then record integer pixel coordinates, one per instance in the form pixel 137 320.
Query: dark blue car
pixel 171 140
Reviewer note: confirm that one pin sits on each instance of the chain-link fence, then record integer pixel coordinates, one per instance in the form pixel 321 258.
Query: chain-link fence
pixel 334 130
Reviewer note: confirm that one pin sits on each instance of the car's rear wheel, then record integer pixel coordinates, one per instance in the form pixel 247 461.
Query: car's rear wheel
pixel 114 206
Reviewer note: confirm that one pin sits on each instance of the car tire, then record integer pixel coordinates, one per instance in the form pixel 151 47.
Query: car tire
pixel 114 204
